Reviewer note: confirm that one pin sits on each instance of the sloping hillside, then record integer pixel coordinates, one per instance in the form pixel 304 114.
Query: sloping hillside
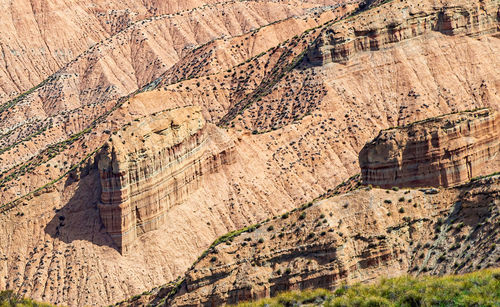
pixel 299 91
pixel 359 236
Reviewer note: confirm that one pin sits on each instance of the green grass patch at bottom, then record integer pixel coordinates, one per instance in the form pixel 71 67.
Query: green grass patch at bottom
pixel 9 299
pixel 481 288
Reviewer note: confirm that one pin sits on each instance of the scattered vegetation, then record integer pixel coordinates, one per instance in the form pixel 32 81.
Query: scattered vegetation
pixel 13 203
pixel 227 237
pixel 52 151
pixel 436 118
pixel 481 288
pixel 484 177
pixel 9 299
pixel 9 104
pixel 41 130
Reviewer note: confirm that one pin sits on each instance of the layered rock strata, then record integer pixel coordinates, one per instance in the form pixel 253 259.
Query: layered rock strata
pixel 458 18
pixel 442 151
pixel 359 236
pixel 152 165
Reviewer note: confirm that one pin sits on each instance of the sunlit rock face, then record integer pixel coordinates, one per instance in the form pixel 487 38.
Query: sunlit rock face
pixel 461 18
pixel 152 165
pixel 444 151
pixel 364 239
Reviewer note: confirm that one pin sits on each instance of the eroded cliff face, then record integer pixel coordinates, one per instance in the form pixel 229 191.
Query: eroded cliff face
pixel 442 151
pixel 41 37
pixel 276 171
pixel 359 236
pixel 152 165
pixel 405 22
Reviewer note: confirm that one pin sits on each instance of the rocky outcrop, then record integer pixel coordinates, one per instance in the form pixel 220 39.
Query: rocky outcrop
pixel 152 165
pixel 275 171
pixel 442 151
pixel 355 237
pixel 451 18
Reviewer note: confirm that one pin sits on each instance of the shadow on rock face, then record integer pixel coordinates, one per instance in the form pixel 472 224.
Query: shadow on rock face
pixel 79 218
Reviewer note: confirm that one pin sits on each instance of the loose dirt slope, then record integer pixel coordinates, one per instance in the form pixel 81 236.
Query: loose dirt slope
pixel 356 237
pixel 297 116
pixel 39 37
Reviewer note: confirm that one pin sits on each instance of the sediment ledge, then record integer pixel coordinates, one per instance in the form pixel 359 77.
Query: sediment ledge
pixel 152 165
pixel 444 151
pixel 371 34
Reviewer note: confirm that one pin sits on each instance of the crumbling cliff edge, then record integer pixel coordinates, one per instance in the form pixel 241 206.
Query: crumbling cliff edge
pixel 153 164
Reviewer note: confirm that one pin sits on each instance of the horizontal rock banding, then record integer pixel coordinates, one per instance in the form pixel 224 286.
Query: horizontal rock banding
pixel 408 23
pixel 152 165
pixel 355 237
pixel 443 151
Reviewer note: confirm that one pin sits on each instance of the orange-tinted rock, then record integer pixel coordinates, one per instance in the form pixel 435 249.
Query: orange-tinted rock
pixel 152 165
pixel 374 34
pixel 275 171
pixel 442 151
pixel 355 237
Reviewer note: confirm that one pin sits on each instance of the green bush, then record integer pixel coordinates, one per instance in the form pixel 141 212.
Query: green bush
pixel 9 299
pixel 481 288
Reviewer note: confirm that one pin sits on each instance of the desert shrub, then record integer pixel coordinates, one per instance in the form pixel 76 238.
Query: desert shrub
pixel 9 298
pixel 481 288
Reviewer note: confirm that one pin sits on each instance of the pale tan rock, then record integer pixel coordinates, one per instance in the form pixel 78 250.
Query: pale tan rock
pixel 323 115
pixel 361 236
pixel 152 165
pixel 42 37
pixel 403 23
